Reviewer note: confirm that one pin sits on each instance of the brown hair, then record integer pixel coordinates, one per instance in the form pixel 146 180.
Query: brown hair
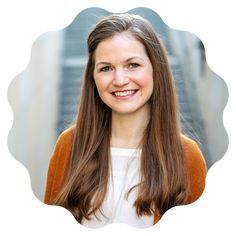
pixel 163 177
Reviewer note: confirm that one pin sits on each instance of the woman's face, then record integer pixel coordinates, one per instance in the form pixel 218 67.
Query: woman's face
pixel 123 74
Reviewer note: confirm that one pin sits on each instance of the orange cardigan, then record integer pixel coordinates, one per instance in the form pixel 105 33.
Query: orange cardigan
pixel 60 159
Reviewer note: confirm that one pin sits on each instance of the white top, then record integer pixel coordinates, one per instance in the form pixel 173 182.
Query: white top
pixel 116 208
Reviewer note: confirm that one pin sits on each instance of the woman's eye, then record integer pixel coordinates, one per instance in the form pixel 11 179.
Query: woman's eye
pixel 133 65
pixel 105 68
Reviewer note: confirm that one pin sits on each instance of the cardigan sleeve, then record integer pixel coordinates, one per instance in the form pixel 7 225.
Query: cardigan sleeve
pixel 196 169
pixel 58 165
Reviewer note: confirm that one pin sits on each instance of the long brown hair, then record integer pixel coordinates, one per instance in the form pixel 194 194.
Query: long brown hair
pixel 163 181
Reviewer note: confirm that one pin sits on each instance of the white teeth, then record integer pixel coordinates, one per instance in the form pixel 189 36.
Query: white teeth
pixel 125 93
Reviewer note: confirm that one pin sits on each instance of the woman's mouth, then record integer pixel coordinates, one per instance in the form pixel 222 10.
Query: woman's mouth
pixel 124 93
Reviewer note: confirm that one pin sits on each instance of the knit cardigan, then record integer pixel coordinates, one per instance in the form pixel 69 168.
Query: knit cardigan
pixel 59 161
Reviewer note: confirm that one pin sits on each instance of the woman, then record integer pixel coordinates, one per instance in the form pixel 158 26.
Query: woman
pixel 125 159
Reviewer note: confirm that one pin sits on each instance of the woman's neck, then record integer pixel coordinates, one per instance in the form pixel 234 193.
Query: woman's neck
pixel 128 129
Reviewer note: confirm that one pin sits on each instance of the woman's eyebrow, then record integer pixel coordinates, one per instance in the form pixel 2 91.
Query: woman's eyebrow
pixel 102 63
pixel 135 57
pixel 127 60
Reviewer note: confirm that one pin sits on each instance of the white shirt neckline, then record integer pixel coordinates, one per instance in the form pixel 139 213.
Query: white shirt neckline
pixel 125 163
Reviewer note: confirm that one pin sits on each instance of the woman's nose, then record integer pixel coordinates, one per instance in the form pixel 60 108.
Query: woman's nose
pixel 121 77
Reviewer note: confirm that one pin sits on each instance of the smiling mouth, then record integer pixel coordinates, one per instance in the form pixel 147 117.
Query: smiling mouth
pixel 124 93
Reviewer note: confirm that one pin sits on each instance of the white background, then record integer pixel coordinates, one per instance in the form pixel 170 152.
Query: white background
pixel 21 22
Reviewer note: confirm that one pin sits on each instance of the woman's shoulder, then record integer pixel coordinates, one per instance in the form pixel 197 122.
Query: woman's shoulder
pixel 66 136
pixel 192 152
pixel 58 164
pixel 68 132
pixel 190 147
pixel 64 143
pixel 196 167
pixel 187 142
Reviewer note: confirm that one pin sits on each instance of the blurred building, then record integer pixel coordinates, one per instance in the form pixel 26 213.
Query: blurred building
pixel 45 96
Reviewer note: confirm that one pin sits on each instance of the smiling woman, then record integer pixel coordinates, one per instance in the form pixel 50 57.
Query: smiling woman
pixel 123 74
pixel 125 159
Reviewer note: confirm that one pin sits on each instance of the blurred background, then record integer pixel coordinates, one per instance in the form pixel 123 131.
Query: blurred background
pixel 44 97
